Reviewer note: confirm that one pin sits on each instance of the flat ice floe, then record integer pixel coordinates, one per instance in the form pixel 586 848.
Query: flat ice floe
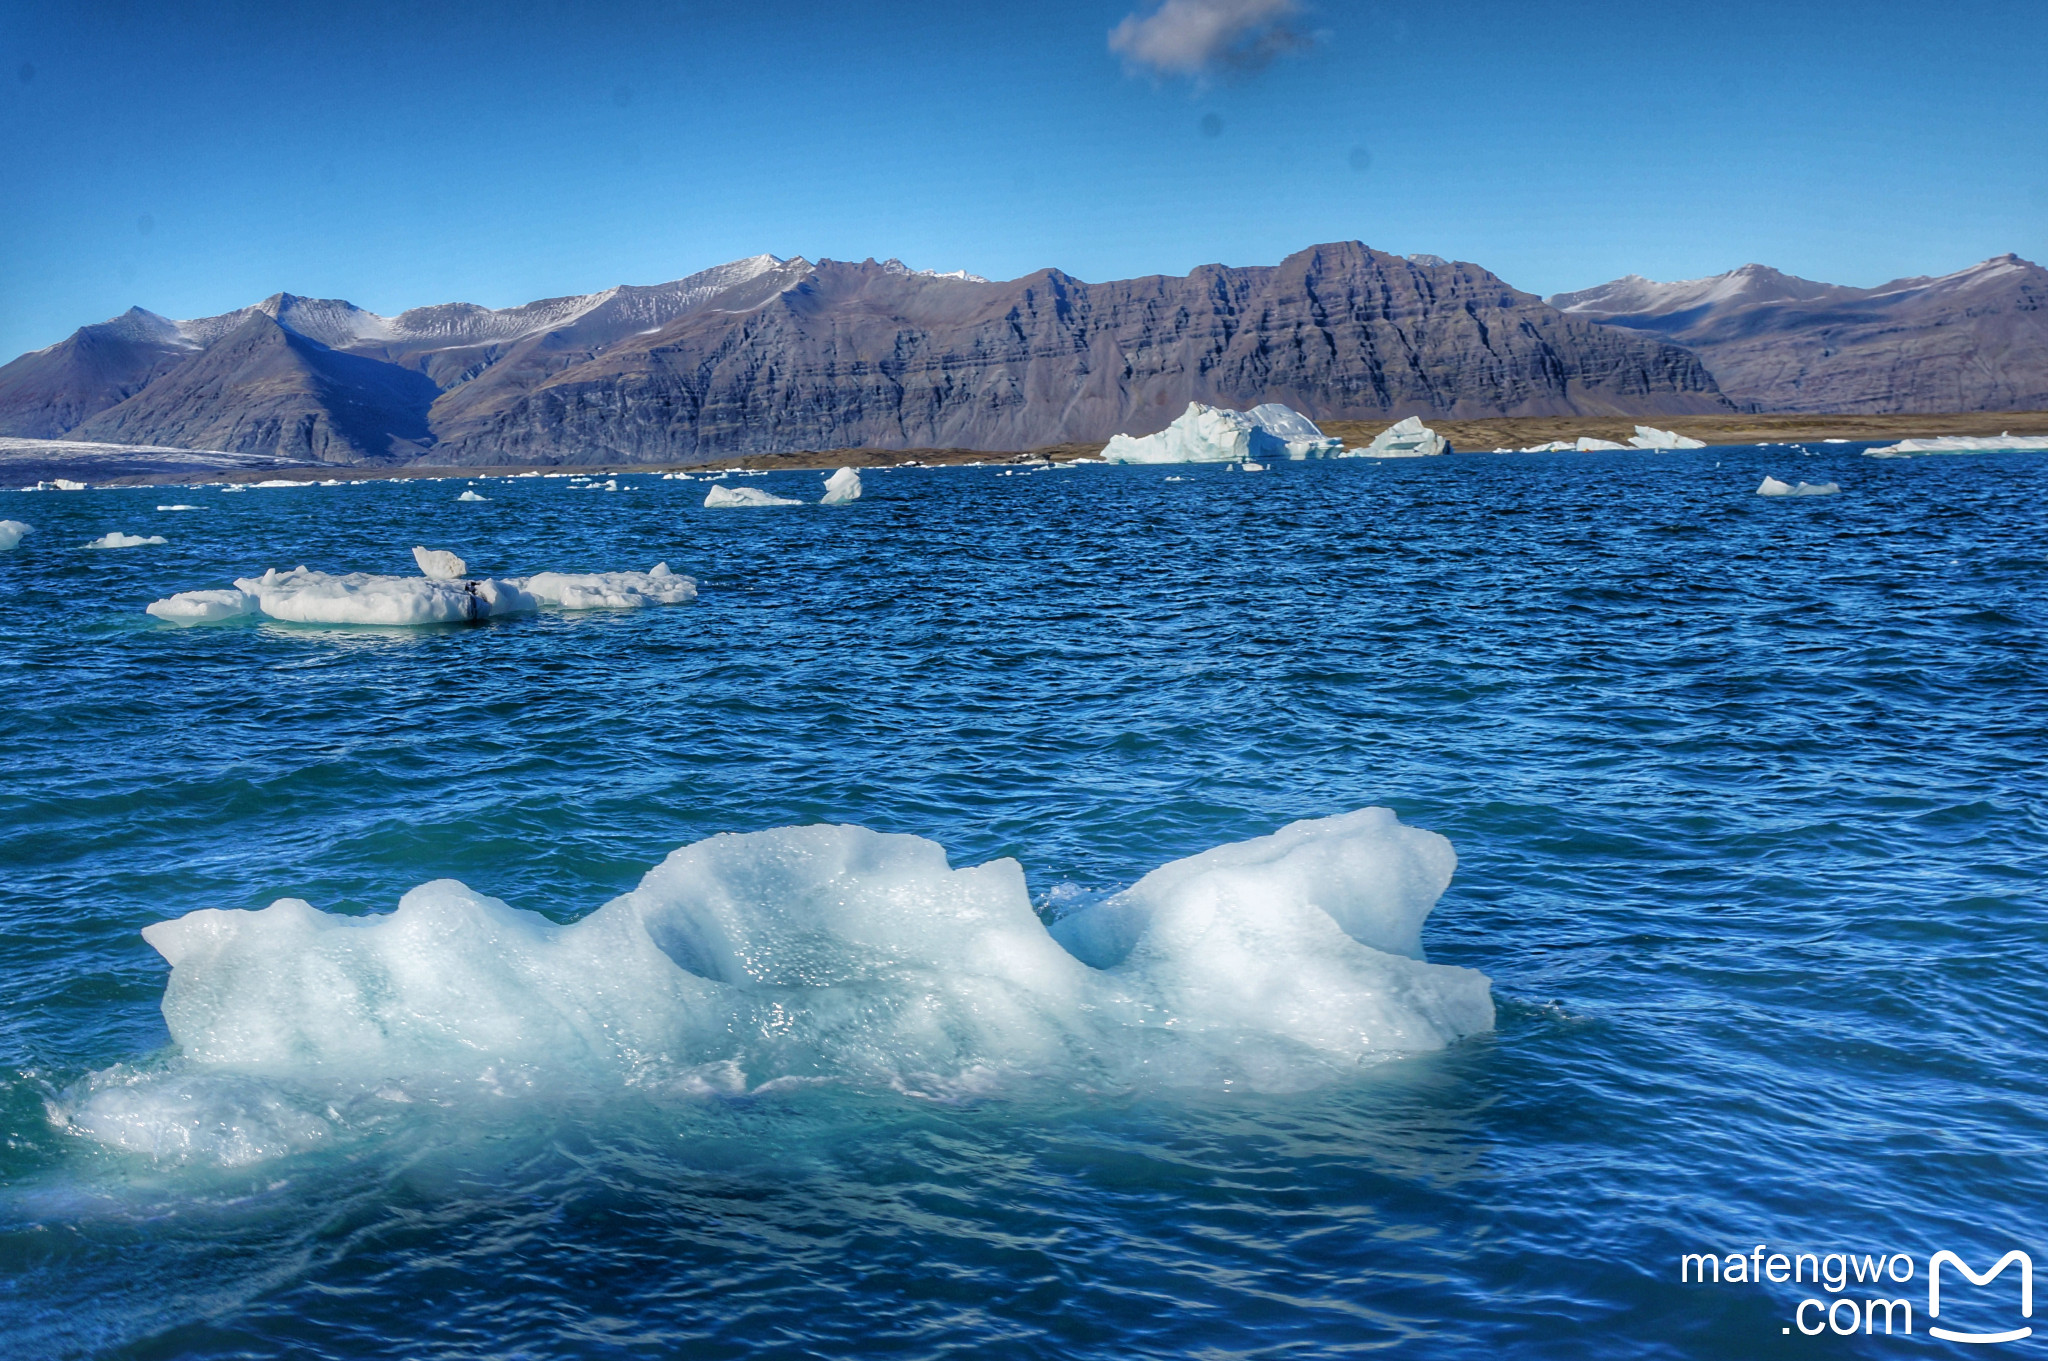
pixel 807 954
pixel 11 532
pixel 745 496
pixel 1771 486
pixel 1963 444
pixel 1210 434
pixel 442 596
pixel 119 540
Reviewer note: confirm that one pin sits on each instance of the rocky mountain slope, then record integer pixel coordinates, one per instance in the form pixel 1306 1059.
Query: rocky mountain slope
pixel 767 354
pixel 1975 340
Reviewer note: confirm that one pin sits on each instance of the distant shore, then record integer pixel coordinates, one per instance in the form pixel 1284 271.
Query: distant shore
pixel 1465 435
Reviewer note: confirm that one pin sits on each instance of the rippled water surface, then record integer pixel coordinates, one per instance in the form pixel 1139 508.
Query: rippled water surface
pixel 1747 796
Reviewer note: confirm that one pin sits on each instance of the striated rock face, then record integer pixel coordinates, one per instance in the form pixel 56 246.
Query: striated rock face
pixel 1975 340
pixel 767 354
pixel 856 355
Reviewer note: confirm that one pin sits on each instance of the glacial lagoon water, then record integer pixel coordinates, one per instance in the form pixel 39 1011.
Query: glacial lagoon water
pixel 1746 796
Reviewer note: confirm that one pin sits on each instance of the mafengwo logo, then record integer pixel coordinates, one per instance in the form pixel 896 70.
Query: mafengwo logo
pixel 1864 1291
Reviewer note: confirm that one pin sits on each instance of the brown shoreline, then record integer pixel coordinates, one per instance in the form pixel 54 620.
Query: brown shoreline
pixel 1465 435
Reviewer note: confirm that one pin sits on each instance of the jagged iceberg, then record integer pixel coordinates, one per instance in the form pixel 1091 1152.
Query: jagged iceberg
pixel 440 564
pixel 1650 437
pixel 842 487
pixel 119 540
pixel 745 496
pixel 305 597
pixel 11 532
pixel 1771 486
pixel 1964 444
pixel 1406 438
pixel 824 953
pixel 1211 434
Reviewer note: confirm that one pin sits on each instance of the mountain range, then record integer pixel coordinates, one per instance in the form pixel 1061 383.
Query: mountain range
pixel 768 354
pixel 1974 340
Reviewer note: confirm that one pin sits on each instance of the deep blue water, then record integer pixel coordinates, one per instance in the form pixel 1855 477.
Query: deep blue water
pixel 1747 795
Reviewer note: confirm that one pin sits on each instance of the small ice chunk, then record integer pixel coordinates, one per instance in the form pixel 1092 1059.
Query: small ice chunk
pixel 745 496
pixel 471 496
pixel 177 507
pixel 440 564
pixel 1650 437
pixel 842 487
pixel 1816 489
pixel 11 532
pixel 61 484
pixel 202 607
pixel 119 540
pixel 1250 467
pixel 1771 486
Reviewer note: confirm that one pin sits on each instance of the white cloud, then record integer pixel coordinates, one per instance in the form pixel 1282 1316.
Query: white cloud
pixel 1192 37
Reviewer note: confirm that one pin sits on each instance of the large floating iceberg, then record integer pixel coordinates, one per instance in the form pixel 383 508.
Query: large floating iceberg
pixel 1406 438
pixel 807 954
pixel 842 487
pixel 745 496
pixel 1963 444
pixel 1650 437
pixel 11 532
pixel 1211 434
pixel 439 597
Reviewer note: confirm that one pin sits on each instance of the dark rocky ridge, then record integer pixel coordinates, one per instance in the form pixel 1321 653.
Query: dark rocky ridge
pixel 765 355
pixel 1975 340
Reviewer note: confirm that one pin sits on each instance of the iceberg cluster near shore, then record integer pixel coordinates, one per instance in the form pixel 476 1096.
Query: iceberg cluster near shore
pixel 1963 444
pixel 1210 434
pixel 442 595
pixel 816 954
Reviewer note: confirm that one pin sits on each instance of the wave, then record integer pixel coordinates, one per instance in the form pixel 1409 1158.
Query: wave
pixel 802 955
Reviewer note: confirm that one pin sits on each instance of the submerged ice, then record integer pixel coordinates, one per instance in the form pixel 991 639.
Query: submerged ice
pixel 831 953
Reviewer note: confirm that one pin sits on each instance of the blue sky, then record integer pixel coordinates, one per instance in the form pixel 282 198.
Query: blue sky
pixel 193 159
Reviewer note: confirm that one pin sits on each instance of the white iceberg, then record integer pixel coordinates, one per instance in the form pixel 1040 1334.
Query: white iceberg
pixel 821 953
pixel 61 484
pixel 745 496
pixel 305 597
pixel 11 532
pixel 440 564
pixel 1650 437
pixel 1964 444
pixel 1771 486
pixel 177 507
pixel 119 540
pixel 471 496
pixel 1406 438
pixel 1211 434
pixel 202 607
pixel 842 487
